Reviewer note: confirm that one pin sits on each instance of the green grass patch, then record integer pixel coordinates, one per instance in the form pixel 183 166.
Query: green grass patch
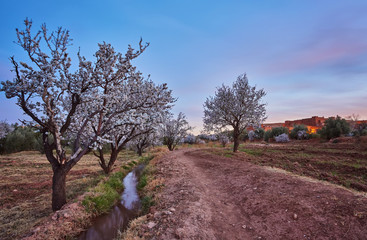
pixel 147 194
pixel 115 181
pixel 145 160
pixel 107 191
pixel 303 155
pixel 103 198
pixel 126 167
pixel 79 186
pixel 356 165
pixel 146 203
pixel 254 152
pixel 273 150
pixel 142 182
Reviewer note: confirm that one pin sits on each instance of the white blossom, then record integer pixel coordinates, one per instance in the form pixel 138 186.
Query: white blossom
pixel 173 131
pixel 238 106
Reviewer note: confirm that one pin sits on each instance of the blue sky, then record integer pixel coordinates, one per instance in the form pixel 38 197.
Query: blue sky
pixel 309 56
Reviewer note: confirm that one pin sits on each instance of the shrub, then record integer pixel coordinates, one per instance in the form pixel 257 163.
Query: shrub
pixel 200 141
pixel 259 133
pixel 314 135
pixel 274 132
pixel 207 137
pixel 5 129
pixel 190 139
pixel 278 131
pixel 302 134
pixel 21 139
pixel 282 138
pixel 334 127
pixel 251 135
pixel 299 132
pixel 267 135
pixel 360 130
pixel 256 134
pixel 244 136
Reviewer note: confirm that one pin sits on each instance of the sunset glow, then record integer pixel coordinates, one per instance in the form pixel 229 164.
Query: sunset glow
pixel 310 57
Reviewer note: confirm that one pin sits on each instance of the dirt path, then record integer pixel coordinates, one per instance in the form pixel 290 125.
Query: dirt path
pixel 212 197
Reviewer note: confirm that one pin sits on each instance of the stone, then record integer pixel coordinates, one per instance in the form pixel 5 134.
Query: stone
pixel 151 225
pixel 157 215
pixel 295 216
pixel 167 212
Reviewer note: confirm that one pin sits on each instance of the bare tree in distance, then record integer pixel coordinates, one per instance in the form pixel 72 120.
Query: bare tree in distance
pixel 52 95
pixel 174 130
pixel 238 107
pixel 353 120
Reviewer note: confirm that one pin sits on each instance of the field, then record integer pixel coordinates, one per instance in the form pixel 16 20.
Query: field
pixel 25 178
pixel 25 188
pixel 343 163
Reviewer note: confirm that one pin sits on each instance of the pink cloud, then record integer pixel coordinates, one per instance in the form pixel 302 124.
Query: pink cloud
pixel 319 55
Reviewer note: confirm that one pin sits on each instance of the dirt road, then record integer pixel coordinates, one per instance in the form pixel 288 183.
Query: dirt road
pixel 212 197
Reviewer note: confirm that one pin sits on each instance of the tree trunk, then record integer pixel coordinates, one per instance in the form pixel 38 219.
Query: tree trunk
pixel 140 151
pixel 108 168
pixel 236 141
pixel 58 188
pixel 170 147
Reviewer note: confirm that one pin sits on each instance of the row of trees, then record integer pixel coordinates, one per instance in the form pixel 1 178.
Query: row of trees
pixel 105 102
pixel 15 138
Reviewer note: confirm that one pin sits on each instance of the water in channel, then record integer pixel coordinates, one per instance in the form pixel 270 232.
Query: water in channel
pixel 106 227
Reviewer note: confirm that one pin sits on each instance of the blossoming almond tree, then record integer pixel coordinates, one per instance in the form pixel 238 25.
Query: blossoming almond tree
pixel 238 106
pixel 149 137
pixel 126 104
pixel 140 143
pixel 174 130
pixel 52 96
pixel 146 109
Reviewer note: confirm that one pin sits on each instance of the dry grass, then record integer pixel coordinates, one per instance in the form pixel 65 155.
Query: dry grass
pixel 133 231
pixel 137 229
pixel 25 188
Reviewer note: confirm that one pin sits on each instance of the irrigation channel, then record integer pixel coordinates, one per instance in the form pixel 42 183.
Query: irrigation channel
pixel 106 227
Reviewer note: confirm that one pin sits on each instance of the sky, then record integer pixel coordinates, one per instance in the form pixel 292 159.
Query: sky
pixel 309 56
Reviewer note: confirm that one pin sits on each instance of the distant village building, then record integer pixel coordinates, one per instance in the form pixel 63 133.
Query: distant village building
pixel 313 124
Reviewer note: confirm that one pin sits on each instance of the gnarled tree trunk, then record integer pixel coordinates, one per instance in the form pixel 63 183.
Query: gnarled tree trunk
pixel 59 188
pixel 139 150
pixel 236 140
